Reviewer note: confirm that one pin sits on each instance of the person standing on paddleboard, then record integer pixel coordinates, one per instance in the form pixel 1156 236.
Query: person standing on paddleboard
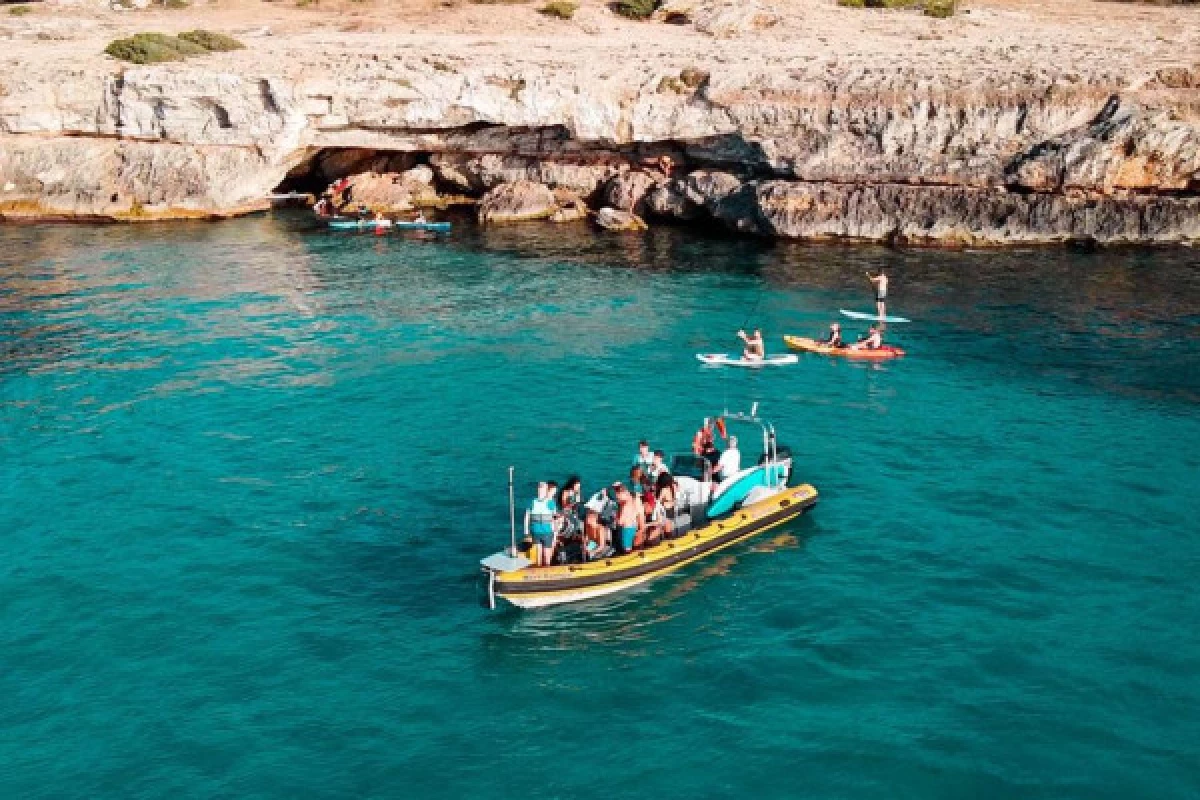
pixel 881 286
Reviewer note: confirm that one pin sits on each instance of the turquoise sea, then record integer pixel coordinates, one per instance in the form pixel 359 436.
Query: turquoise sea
pixel 247 470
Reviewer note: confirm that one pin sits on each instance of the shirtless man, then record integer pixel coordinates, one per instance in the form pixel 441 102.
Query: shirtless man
pixel 629 520
pixel 874 340
pixel 881 284
pixel 754 350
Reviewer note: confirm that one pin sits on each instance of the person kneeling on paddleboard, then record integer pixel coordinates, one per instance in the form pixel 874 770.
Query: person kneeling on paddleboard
pixel 873 340
pixel 754 350
pixel 834 339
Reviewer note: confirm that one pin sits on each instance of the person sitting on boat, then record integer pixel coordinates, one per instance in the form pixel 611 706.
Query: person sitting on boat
pixel 629 519
pixel 541 522
pixel 664 490
pixel 643 458
pixel 834 338
pixel 595 535
pixel 872 341
pixel 754 350
pixel 571 494
pixel 419 219
pixel 730 461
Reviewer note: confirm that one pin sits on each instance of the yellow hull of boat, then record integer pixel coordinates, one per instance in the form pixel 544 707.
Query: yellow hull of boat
pixel 534 587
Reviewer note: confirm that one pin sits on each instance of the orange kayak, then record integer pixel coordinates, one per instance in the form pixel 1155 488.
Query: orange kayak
pixel 805 345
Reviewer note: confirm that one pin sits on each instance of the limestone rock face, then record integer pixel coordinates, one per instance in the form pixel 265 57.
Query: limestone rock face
pixel 395 191
pixel 613 220
pixel 627 190
pixel 765 143
pixel 958 215
pixel 516 202
pixel 671 200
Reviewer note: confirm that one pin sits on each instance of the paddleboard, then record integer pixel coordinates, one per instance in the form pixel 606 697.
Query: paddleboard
pixel 725 360
pixel 871 317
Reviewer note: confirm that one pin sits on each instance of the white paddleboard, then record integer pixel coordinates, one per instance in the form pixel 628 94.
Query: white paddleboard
pixel 724 360
pixel 871 317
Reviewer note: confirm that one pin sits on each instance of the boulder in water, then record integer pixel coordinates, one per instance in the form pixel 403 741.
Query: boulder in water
pixel 613 220
pixel 517 202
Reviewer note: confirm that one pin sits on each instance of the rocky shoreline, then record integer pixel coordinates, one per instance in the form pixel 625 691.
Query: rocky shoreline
pixel 769 145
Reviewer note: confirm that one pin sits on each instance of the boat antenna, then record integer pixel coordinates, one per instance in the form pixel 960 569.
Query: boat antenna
pixel 512 514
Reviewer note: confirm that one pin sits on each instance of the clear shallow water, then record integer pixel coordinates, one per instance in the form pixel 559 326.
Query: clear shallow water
pixel 247 470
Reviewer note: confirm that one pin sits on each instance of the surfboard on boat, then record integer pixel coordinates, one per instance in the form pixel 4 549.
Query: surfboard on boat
pixel 726 360
pixel 356 224
pixel 872 317
pixel 440 227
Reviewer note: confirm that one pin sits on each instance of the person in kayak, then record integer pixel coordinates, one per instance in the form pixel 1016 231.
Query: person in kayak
pixel 834 337
pixel 881 286
pixel 872 341
pixel 754 350
pixel 419 219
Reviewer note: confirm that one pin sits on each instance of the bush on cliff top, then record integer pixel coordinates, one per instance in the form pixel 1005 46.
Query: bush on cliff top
pixel 932 8
pixel 563 9
pixel 157 48
pixel 636 9
pixel 213 42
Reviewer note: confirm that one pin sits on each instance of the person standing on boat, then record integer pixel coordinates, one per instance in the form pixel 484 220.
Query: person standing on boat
pixel 658 466
pixel 881 287
pixel 754 350
pixel 541 523
pixel 644 458
pixel 730 462
pixel 629 518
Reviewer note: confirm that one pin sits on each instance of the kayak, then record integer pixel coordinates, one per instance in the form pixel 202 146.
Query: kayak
pixel 806 345
pixel 358 224
pixel 440 227
pixel 723 360
pixel 873 317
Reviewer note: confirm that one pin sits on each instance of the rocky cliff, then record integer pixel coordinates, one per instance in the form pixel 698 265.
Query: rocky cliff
pixel 777 141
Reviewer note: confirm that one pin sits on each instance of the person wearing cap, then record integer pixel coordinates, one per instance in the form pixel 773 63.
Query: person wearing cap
pixel 834 338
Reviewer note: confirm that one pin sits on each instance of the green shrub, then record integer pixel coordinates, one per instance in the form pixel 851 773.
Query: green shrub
pixel 852 3
pixel 636 9
pixel 693 78
pixel 20 11
pixel 156 48
pixel 175 5
pixel 939 8
pixel 563 9
pixel 211 41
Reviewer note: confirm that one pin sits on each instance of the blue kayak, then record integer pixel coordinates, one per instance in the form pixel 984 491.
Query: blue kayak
pixel 357 224
pixel 346 224
pixel 423 226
